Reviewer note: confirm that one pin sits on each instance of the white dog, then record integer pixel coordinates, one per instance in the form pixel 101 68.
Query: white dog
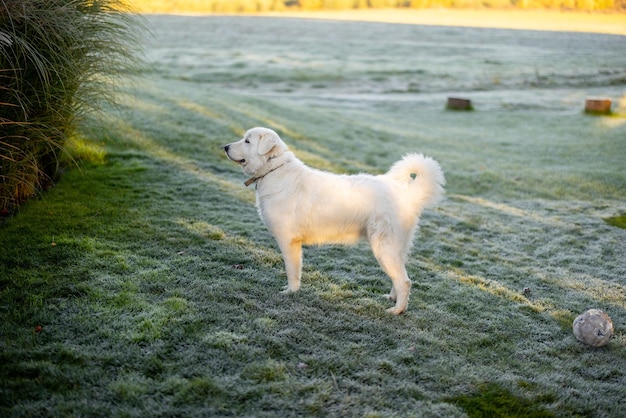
pixel 304 206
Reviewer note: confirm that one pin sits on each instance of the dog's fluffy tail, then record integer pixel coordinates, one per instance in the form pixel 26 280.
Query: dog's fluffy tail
pixel 424 176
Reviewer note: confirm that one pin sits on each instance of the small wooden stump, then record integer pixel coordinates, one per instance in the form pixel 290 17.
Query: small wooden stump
pixel 454 103
pixel 598 106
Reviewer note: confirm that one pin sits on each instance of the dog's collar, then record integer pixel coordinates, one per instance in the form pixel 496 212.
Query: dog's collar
pixel 255 179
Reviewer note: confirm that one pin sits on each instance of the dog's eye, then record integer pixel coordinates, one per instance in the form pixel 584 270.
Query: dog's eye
pixel 247 141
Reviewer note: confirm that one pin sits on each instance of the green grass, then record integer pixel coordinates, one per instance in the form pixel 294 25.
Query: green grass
pixel 618 221
pixel 156 286
pixel 489 400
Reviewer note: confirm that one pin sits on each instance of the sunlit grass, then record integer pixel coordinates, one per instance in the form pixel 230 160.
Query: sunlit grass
pixel 256 6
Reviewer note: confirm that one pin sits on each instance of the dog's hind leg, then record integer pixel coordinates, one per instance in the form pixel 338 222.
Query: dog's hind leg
pixel 401 285
pixel 392 262
pixel 292 254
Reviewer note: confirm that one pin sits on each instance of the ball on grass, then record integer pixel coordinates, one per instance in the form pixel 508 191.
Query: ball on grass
pixel 593 327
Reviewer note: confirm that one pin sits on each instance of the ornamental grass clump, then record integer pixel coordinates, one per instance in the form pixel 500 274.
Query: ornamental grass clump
pixel 58 61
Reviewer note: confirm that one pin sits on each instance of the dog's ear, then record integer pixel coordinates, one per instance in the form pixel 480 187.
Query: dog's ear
pixel 267 142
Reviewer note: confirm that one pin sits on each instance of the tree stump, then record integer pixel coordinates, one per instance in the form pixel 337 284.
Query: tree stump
pixel 455 103
pixel 598 106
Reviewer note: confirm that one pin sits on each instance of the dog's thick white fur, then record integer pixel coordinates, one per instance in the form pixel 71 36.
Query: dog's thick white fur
pixel 304 206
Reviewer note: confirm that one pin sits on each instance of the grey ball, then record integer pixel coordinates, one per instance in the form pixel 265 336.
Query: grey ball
pixel 593 327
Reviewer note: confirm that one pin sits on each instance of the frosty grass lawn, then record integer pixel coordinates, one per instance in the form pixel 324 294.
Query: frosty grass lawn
pixel 144 284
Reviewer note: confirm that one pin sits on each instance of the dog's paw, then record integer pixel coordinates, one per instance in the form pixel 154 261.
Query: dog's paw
pixel 395 310
pixel 286 291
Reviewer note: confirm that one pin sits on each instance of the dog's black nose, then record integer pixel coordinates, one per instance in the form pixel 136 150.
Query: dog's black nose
pixel 226 148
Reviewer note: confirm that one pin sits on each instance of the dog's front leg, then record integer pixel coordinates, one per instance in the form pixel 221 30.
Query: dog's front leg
pixel 292 254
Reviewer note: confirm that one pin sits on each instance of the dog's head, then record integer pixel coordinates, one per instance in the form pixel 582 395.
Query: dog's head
pixel 255 150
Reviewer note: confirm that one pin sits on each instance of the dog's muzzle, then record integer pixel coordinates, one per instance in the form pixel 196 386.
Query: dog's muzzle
pixel 226 148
